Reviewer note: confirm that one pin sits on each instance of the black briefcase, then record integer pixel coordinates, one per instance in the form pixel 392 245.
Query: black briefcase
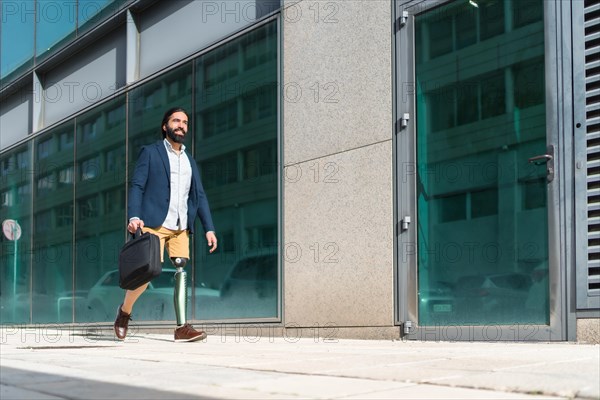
pixel 139 260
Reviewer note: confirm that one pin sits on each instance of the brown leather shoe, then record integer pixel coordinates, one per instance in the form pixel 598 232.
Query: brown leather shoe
pixel 187 333
pixel 121 324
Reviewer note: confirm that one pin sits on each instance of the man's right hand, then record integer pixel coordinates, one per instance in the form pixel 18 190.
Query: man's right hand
pixel 134 224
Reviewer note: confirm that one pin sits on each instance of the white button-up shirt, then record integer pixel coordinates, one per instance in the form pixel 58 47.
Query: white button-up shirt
pixel 181 181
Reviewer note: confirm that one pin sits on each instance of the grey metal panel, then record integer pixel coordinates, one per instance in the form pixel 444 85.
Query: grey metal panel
pixel 170 31
pixel 586 91
pixel 133 49
pixel 85 78
pixel 15 119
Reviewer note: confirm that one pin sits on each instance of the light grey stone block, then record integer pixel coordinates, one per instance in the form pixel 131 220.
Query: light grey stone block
pixel 337 85
pixel 338 261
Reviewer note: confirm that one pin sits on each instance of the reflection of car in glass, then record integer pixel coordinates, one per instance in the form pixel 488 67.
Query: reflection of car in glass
pixel 253 274
pixel 437 297
pixel 249 290
pixel 493 293
pixel 155 304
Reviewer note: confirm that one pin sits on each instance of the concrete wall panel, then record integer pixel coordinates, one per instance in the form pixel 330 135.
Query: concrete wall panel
pixel 338 260
pixel 337 80
pixel 338 189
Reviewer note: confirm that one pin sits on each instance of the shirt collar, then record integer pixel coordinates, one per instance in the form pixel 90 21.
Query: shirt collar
pixel 169 147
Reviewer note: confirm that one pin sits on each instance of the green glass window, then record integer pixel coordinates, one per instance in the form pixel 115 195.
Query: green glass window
pixel 236 149
pixel 482 208
pixel 15 257
pixel 53 189
pixel 99 209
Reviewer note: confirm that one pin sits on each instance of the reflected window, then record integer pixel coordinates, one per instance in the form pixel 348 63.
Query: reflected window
pixel 529 84
pixel 65 176
pixel 6 166
pixel 220 119
pixel 484 203
pixel 491 18
pixel 258 48
pixel 44 148
pixel 45 184
pixel 88 208
pixel 115 159
pixel 262 237
pixel 23 193
pixel 115 117
pixel 64 215
pixel 89 131
pixel 66 141
pixel 90 168
pixel 220 66
pixel 43 221
pixel 113 201
pixel 220 171
pixel 528 12
pixel 260 160
pixel 260 104
pixel 6 199
pixel 23 160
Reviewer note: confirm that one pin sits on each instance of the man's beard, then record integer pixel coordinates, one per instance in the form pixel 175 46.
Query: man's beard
pixel 174 137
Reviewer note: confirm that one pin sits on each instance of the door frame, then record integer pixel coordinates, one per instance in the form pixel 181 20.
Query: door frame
pixel 558 118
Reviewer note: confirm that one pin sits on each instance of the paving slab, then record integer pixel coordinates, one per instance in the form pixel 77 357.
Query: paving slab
pixel 70 364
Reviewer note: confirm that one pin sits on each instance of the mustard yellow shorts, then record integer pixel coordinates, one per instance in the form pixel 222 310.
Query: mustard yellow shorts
pixel 177 242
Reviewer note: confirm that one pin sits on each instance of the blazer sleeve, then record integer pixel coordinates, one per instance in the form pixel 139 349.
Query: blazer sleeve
pixel 138 184
pixel 202 207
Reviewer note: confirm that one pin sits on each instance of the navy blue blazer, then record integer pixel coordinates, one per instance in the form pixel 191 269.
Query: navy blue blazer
pixel 150 190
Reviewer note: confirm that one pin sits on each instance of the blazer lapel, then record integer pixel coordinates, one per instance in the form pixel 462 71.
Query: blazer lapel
pixel 165 159
pixel 195 177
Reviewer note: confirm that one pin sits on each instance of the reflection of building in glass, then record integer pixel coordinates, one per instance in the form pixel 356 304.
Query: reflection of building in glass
pixel 236 120
pixel 479 123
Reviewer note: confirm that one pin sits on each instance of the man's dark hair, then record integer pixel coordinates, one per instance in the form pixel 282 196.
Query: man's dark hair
pixel 167 115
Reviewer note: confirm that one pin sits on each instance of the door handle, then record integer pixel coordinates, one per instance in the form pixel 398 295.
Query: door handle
pixel 542 158
pixel 547 159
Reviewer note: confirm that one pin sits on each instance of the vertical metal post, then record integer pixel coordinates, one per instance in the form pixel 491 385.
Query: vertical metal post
pixel 14 235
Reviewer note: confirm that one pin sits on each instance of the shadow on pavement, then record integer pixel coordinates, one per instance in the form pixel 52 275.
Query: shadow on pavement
pixel 18 383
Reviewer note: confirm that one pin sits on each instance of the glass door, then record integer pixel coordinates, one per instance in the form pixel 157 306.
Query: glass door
pixel 484 166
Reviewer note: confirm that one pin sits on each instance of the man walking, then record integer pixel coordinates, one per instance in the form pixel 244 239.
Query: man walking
pixel 165 197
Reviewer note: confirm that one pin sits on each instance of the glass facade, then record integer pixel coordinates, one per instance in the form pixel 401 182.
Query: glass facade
pixel 100 176
pixel 53 24
pixel 16 172
pixel 53 188
pixel 67 189
pixel 482 207
pixel 236 124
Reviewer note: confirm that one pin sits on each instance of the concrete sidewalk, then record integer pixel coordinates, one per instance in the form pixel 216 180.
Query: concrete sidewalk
pixel 47 363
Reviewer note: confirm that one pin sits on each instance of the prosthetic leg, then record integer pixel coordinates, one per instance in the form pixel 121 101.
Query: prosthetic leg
pixel 184 331
pixel 180 294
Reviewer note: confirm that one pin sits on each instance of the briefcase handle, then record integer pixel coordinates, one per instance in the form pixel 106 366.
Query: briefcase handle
pixel 137 234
